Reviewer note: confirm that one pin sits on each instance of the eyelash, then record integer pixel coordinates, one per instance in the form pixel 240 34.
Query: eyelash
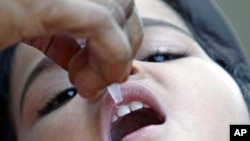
pixel 59 98
pixel 164 56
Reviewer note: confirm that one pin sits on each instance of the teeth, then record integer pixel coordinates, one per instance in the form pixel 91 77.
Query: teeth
pixel 135 105
pixel 123 110
pixel 114 118
pixel 128 108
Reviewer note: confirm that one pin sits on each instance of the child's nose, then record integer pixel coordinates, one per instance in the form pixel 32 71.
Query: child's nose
pixel 136 72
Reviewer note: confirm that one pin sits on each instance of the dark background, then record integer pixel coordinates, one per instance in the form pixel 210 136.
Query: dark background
pixel 238 13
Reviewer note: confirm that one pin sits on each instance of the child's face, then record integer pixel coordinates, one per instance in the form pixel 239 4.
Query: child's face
pixel 189 96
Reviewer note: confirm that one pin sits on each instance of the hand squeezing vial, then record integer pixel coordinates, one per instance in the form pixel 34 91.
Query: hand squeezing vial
pixel 113 89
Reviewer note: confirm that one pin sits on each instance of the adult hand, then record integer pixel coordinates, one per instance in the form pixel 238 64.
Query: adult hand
pixel 112 30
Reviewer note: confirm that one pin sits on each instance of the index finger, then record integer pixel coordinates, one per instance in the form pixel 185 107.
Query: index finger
pixel 105 40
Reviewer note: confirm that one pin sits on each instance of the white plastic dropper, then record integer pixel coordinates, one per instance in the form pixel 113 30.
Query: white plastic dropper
pixel 115 92
pixel 81 42
pixel 113 89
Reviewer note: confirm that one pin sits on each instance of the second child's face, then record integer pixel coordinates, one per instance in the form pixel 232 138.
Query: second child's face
pixel 175 92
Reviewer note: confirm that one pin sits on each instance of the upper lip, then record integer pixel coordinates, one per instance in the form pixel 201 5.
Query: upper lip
pixel 131 91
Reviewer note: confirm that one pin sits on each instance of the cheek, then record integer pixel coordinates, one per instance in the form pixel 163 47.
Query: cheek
pixel 76 121
pixel 200 89
pixel 196 95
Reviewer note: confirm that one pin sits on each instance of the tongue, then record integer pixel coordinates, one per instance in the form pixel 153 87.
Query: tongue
pixel 133 122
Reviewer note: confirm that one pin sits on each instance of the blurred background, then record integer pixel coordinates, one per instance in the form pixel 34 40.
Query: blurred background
pixel 238 13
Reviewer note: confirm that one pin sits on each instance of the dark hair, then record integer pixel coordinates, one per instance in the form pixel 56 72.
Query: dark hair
pixel 215 38
pixel 6 128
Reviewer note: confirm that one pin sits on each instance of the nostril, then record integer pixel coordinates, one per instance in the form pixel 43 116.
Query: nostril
pixel 133 71
pixel 137 72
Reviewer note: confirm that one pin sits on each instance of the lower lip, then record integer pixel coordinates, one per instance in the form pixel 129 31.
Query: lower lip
pixel 140 134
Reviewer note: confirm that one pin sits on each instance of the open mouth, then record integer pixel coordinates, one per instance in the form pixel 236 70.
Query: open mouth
pixel 132 117
pixel 127 120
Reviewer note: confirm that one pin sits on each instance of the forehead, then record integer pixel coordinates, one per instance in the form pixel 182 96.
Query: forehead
pixel 157 9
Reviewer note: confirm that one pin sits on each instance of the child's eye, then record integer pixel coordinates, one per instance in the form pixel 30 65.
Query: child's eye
pixel 162 57
pixel 59 99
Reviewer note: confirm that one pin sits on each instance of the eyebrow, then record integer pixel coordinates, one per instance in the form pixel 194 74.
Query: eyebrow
pixel 43 65
pixel 148 22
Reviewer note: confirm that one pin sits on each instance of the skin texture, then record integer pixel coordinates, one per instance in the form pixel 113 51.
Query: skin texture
pixel 200 100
